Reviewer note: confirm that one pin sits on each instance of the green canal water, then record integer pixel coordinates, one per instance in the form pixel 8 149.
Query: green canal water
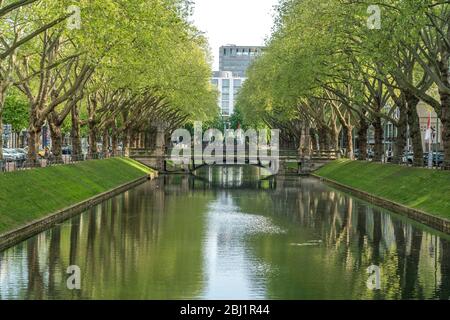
pixel 231 233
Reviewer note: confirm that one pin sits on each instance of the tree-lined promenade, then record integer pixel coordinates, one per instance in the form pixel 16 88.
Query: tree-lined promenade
pixel 110 69
pixel 336 68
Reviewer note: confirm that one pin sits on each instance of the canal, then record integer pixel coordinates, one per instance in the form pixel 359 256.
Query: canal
pixel 231 233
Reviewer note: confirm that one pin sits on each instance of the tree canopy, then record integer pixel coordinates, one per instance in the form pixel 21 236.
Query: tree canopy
pixel 128 66
pixel 335 66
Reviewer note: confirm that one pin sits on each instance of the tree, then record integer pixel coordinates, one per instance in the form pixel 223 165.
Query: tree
pixel 322 56
pixel 16 31
pixel 130 68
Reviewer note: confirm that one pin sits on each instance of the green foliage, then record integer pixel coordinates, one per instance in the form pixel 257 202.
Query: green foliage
pixel 214 123
pixel 237 120
pixel 325 68
pixel 138 48
pixel 16 111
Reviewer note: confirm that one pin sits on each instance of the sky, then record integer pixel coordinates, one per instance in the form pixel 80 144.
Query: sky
pixel 240 22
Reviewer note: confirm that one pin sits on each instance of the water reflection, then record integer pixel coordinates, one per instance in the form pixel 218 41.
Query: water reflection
pixel 228 234
pixel 233 270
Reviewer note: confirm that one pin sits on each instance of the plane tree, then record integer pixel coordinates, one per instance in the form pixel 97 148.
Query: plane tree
pixel 125 66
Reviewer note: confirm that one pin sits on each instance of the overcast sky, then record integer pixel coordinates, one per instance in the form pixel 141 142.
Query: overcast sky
pixel 240 22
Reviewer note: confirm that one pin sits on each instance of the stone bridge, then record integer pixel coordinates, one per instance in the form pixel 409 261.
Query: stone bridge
pixel 288 160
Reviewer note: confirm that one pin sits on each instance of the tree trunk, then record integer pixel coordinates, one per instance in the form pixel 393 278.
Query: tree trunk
pixel 92 125
pixel 34 130
pixel 160 139
pixel 127 142
pixel 313 133
pixel 92 139
pixel 134 138
pixel 299 146
pixel 400 141
pixel 151 139
pixel 414 130
pixel 446 138
pixel 445 103
pixel 349 137
pixel 326 139
pixel 445 119
pixel 305 143
pixel 114 144
pixel 75 135
pixel 1 132
pixel 3 88
pixel 347 132
pixel 334 137
pixel 362 139
pixel 322 139
pixel 378 148
pixel 33 144
pixel 2 103
pixel 105 145
pixel 56 135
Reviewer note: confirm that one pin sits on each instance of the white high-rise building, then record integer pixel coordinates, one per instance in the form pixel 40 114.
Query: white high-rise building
pixel 237 59
pixel 228 86
pixel 233 63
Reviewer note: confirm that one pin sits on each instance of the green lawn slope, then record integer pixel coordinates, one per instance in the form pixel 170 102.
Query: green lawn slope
pixel 419 188
pixel 31 194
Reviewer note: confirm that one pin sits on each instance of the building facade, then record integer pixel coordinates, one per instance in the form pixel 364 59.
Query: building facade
pixel 13 139
pixel 233 64
pixel 390 131
pixel 237 59
pixel 228 86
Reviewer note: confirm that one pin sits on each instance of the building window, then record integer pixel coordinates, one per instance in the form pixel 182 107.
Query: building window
pixel 226 105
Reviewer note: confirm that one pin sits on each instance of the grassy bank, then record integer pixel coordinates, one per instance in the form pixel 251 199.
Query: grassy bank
pixel 423 189
pixel 28 195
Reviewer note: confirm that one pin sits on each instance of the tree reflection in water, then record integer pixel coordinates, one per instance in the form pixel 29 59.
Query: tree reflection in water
pixel 183 237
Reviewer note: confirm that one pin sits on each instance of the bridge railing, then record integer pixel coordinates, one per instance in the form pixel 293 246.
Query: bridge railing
pixel 136 152
pixel 325 154
pixel 9 165
pixel 283 154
